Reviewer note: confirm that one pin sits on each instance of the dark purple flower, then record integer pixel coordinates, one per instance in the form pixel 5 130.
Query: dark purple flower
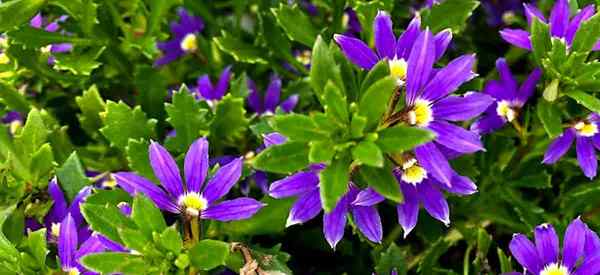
pixel 184 38
pixel 206 90
pixel 580 251
pixel 587 139
pixel 562 26
pixel 38 22
pixel 189 197
pixel 509 98
pixel 61 208
pixel 497 10
pixel 14 120
pixel 268 103
pixel 351 23
pixel 69 249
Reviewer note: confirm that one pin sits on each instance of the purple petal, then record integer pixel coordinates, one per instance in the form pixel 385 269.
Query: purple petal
pixel 334 222
pixel 367 197
pixel 91 245
pixel 232 210
pixel 67 242
pixel 461 185
pixel 272 94
pixel 516 37
pixel 591 265
pixel 368 222
pixel 74 208
pixel 356 51
pixel 574 243
pixel 506 77
pixel 305 208
pixel 220 184
pixel 223 84
pixel 273 139
pixel 165 169
pixel 289 104
pixel 460 108
pixel 255 100
pixel 546 243
pixel 449 78
pixel 420 64
pixel 294 185
pixel 407 39
pixel 592 243
pixel 196 165
pixel 59 206
pixel 168 56
pixel 586 156
pixel 528 87
pixel 532 11
pixel 581 16
pixel 434 202
pixel 455 137
pixel 559 18
pixel 499 91
pixel 110 244
pixel 36 21
pixel 385 40
pixel 596 141
pixel 205 87
pixel 133 184
pixel 434 163
pixel 525 253
pixel 442 40
pixel 61 48
pixel 559 146
pixel 488 123
pixel 408 211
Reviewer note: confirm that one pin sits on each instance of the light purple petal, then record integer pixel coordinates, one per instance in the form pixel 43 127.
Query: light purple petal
pixel 586 156
pixel 528 87
pixel 460 108
pixel 408 211
pixel 196 165
pixel 356 51
pixel 273 139
pixel 74 208
pixel 36 21
pixel 559 18
pixel 305 208
pixel 449 78
pixel 581 16
pixel 420 64
pixel 532 11
pixel 385 40
pixel 592 243
pixel 232 210
pixel 225 178
pixel 407 39
pixel 334 222
pixel 574 243
pixel 368 221
pixel 525 253
pixel 455 137
pixel 132 184
pixel 272 94
pixel 367 197
pixel 506 77
pixel 442 40
pixel 289 104
pixel 165 169
pixel 434 202
pixel 91 245
pixel 59 206
pixel 61 48
pixel 67 242
pixel 294 185
pixel 559 146
pixel 461 185
pixel 546 243
pixel 223 84
pixel 516 37
pixel 205 87
pixel 434 163
pixel 591 265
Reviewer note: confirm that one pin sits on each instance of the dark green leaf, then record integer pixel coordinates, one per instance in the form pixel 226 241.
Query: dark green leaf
pixel 111 262
pixel 382 180
pixel 323 68
pixel 16 12
pixel 296 24
pixel 379 71
pixel 549 115
pixel 91 105
pixel 208 254
pixel 121 123
pixel 13 99
pixel 80 63
pixel 147 216
pixel 587 35
pixel 71 176
pixel 587 100
pixel 37 38
pixel 335 105
pixel 106 219
pixel 540 39
pixel 138 158
pixel 151 90
pixel 269 220
pixel 438 19
pixel 229 122
pixel 374 101
pixel 298 127
pixel 367 152
pixel 333 182
pixel 240 50
pixel 391 259
pixel 285 158
pixel 187 118
pixel 402 138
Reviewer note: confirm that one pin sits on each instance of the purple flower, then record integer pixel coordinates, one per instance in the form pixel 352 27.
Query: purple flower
pixel 509 98
pixel 396 52
pixel 69 249
pixel 268 103
pixel 580 251
pixel 14 120
pixel 497 10
pixel 561 25
pixel 351 23
pixel 190 198
pixel 38 22
pixel 206 90
pixel 184 38
pixel 586 136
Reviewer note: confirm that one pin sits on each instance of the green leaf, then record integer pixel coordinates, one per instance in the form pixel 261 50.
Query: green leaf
pixel 158 9
pixel 321 151
pixel 106 219
pixel 357 125
pixel 33 135
pixel 374 101
pixel 16 12
pixel 171 240
pixel 14 226
pixel 79 63
pixel 188 119
pixel 333 182
pixel 108 196
pixel 402 138
pixel 549 115
pixel 138 158
pixel 587 100
pixel 91 105
pixel 13 99
pixel 587 35
pixel 147 216
pixel 42 163
pixel 297 24
pixel 540 39
pixel 298 127
pixel 71 176
pixel 391 259
pixel 9 255
pixel 122 123
pixel 379 71
pixel 323 68
pixel 505 262
pixel 35 245
pixel 382 180
pixel 113 262
pixel 84 11
pixel 538 180
pixel 208 254
pixel 240 50
pixel 269 220
pixel 151 91
pixel 229 122
pixel 37 38
pixel 335 103
pixel 367 152
pixel 284 158
pixel 438 18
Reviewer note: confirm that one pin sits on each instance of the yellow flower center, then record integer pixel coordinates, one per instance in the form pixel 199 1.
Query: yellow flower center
pixel 421 114
pixel 110 183
pixel 189 43
pixel 3 42
pixel 412 172
pixel 4 59
pixel 398 69
pixel 55 229
pixel 193 203
pixel 72 271
pixel 555 269
pixel 504 110
pixel 304 57
pixel 15 126
pixel 345 20
pixel 586 129
pixel 46 49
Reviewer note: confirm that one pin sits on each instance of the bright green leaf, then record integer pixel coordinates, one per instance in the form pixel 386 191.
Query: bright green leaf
pixel 402 138
pixel 208 254
pixel 333 182
pixel 285 158
pixel 296 24
pixel 71 176
pixel 121 123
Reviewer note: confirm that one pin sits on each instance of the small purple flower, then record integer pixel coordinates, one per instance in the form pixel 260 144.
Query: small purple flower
pixel 185 38
pixel 190 198
pixel 586 135
pixel 351 23
pixel 69 250
pixel 580 251
pixel 38 22
pixel 268 103
pixel 205 89
pixel 498 10
pixel 562 26
pixel 14 120
pixel 509 98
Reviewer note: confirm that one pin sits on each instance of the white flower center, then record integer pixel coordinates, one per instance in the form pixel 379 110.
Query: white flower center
pixel 304 57
pixel 72 271
pixel 189 43
pixel 586 129
pixel 46 49
pixel 4 59
pixel 421 114
pixel 506 111
pixel 55 229
pixel 14 126
pixel 555 269
pixel 413 173
pixel 398 69
pixel 193 203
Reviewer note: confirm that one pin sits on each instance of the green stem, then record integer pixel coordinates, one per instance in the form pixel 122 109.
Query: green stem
pixel 195 227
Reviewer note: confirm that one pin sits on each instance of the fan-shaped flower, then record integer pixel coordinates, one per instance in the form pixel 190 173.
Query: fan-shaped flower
pixel 206 90
pixel 71 248
pixel 38 22
pixel 268 103
pixel 185 38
